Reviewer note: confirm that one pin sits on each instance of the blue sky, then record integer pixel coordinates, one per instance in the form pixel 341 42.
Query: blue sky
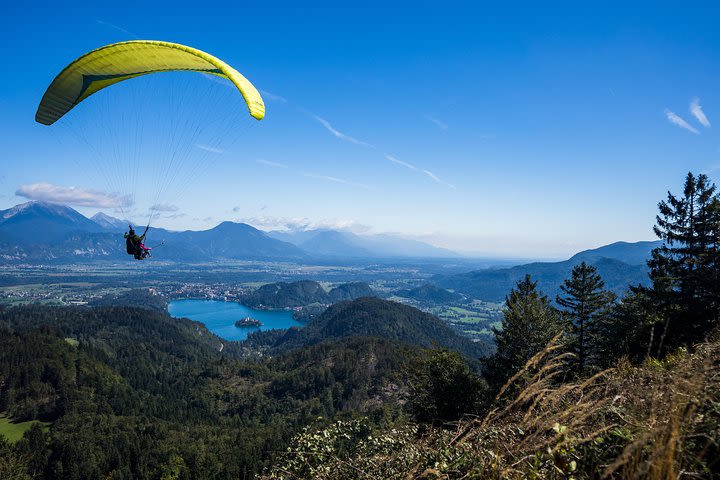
pixel 517 130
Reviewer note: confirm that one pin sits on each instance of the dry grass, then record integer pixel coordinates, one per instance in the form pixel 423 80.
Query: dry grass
pixel 657 421
pixel 677 410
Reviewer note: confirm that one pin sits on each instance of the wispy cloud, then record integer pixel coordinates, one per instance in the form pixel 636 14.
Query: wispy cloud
pixel 218 151
pixel 412 167
pixel 164 207
pixel 262 161
pixel 439 123
pixel 273 97
pixel 81 197
pixel 337 180
pixel 698 113
pixel 238 209
pixel 436 179
pixel 120 29
pixel 712 169
pixel 400 162
pixel 338 133
pixel 220 80
pixel 677 120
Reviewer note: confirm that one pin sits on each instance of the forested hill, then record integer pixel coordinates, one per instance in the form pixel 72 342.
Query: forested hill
pixel 371 317
pixel 431 293
pixel 304 292
pixel 139 297
pixel 132 393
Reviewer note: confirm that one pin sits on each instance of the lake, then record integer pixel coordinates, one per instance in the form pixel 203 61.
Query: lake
pixel 220 317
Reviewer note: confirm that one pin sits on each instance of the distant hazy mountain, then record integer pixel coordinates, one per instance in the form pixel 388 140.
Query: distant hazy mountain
pixel 341 244
pixel 393 246
pixel 44 232
pixel 612 262
pixel 110 223
pixel 330 243
pixel 636 253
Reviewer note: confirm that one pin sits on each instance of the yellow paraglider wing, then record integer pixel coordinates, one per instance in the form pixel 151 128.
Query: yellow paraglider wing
pixel 116 62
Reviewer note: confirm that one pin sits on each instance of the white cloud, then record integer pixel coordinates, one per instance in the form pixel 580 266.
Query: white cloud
pixel 440 124
pixel 400 162
pixel 698 113
pixel 271 164
pixel 164 207
pixel 273 97
pixel 337 180
pixel 218 151
pixel 299 224
pixel 677 120
pixel 438 180
pixel 81 197
pixel 339 134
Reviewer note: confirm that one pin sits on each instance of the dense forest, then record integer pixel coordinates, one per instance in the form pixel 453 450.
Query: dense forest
pixel 586 384
pixel 131 392
pixel 431 293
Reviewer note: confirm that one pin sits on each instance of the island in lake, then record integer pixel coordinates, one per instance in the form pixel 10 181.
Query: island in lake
pixel 248 322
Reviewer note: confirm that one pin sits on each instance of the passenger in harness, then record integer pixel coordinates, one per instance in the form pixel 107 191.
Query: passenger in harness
pixel 134 244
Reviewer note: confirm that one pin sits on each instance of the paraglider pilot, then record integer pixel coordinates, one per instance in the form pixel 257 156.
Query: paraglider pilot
pixel 134 244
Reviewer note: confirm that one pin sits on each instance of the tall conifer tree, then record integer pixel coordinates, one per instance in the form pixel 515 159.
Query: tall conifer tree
pixel 529 323
pixel 684 270
pixel 585 300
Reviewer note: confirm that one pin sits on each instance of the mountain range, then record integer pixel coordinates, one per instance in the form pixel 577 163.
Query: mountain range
pixel 334 244
pixel 620 264
pixel 39 232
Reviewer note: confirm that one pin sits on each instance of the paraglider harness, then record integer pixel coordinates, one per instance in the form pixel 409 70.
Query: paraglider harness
pixel 134 244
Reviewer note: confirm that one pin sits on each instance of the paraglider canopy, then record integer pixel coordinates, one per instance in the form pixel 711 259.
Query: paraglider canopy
pixel 155 135
pixel 116 62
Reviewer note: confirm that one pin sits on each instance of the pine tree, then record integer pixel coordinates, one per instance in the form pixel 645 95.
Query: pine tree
pixel 443 388
pixel 713 259
pixel 626 332
pixel 528 324
pixel 684 270
pixel 585 301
